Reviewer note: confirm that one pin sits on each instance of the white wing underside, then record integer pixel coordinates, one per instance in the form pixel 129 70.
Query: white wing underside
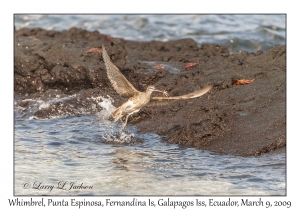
pixel 160 101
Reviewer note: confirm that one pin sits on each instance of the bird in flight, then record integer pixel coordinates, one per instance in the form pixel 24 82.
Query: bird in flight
pixel 137 99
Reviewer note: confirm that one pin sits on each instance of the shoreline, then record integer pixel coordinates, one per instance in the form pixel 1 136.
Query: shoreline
pixel 246 120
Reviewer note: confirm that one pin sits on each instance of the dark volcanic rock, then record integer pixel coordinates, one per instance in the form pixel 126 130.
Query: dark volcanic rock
pixel 233 119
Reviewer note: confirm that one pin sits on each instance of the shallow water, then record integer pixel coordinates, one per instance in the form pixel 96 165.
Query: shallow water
pixel 86 150
pixel 239 32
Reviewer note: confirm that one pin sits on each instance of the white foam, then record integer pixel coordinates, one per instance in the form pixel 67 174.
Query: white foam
pixel 121 138
pixel 106 104
pixel 46 104
pixel 43 104
pixel 24 100
pixel 108 128
pixel 33 118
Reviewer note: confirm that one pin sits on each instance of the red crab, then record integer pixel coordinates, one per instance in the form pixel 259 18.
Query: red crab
pixel 159 67
pixel 108 38
pixel 93 50
pixel 191 65
pixel 243 81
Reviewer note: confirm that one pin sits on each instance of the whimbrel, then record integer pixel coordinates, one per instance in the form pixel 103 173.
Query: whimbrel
pixel 137 99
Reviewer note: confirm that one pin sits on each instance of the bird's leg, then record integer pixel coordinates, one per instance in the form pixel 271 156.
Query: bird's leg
pixel 124 123
pixel 121 120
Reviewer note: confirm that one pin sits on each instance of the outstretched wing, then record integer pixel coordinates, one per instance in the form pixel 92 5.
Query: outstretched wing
pixel 117 79
pixel 160 101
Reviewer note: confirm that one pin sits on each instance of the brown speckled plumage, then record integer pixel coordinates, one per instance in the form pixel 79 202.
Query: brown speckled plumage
pixel 137 99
